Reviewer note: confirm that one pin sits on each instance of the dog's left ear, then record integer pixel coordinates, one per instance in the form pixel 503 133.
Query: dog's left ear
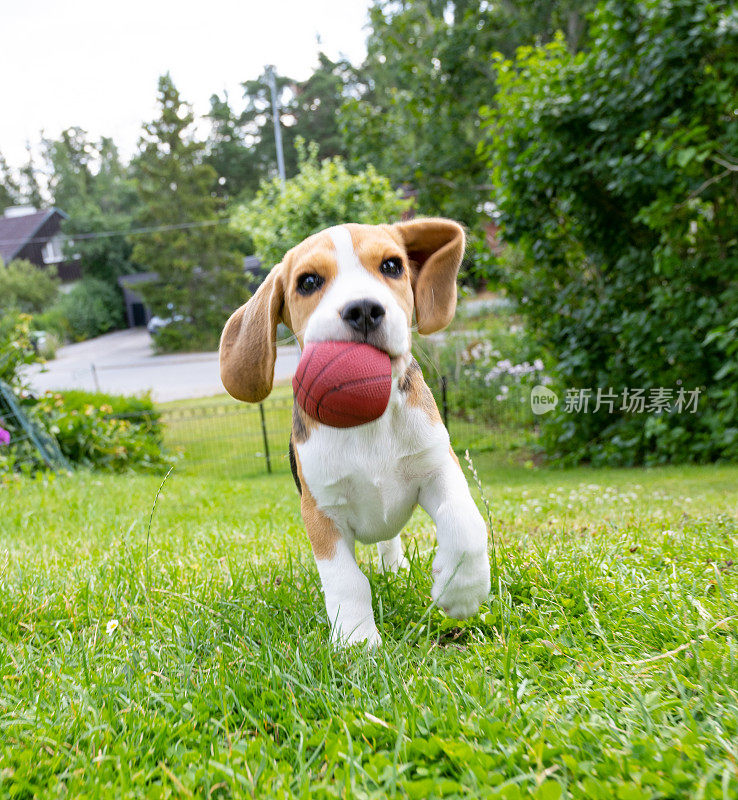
pixel 248 347
pixel 435 248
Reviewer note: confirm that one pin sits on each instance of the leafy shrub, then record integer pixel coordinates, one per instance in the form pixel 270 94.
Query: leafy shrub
pixel 119 405
pixel 16 348
pixel 185 337
pixel 489 365
pixel 91 308
pixel 26 288
pixel 105 432
pixel 320 195
pixel 53 320
pixel 45 342
pixel 618 189
pixel 16 352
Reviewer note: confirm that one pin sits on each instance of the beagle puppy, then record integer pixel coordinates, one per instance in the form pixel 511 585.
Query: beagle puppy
pixel 362 283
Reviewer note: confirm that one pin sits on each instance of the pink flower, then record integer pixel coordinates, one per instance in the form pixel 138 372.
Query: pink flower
pixel 4 436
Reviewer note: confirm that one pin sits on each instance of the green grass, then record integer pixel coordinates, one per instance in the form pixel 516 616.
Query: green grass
pixel 605 664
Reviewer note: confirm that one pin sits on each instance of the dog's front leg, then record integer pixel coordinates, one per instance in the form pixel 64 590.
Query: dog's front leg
pixel 461 565
pixel 348 596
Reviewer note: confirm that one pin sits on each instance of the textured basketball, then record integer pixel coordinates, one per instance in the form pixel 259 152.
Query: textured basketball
pixel 343 384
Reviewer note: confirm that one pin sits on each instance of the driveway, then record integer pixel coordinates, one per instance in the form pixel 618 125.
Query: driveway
pixel 123 363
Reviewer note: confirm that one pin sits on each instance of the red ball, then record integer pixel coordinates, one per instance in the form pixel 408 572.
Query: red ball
pixel 343 384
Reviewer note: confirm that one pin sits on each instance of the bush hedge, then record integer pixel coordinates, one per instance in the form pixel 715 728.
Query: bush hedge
pixel 618 185
pixel 100 431
pixel 320 195
pixel 91 308
pixel 105 432
pixel 26 288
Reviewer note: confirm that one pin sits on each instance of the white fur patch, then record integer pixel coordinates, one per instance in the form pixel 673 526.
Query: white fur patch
pixel 368 479
pixel 345 254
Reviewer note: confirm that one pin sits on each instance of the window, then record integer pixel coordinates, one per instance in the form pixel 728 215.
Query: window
pixel 52 252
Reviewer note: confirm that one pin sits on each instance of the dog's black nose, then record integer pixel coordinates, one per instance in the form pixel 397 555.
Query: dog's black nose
pixel 363 315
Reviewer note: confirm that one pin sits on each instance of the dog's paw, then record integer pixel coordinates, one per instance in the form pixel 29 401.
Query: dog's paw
pixel 387 564
pixel 462 582
pixel 344 635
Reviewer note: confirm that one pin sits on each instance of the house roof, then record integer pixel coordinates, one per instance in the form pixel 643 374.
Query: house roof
pixel 16 232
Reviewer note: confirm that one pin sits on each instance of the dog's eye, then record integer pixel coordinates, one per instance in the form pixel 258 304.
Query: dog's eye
pixel 392 267
pixel 307 284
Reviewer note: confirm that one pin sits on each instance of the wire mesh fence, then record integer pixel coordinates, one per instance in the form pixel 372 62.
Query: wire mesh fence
pixel 237 440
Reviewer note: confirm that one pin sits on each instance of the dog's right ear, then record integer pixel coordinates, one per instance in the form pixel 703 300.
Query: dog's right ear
pixel 248 347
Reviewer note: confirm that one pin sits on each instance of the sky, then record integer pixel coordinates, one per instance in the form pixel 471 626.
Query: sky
pixel 95 65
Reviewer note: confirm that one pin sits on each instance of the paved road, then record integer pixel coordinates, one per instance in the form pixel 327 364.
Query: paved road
pixel 123 363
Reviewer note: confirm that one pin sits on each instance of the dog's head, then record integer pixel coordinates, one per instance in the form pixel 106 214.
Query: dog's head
pixel 347 283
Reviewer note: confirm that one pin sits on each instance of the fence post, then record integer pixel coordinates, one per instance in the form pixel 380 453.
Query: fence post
pixel 444 400
pixel 265 437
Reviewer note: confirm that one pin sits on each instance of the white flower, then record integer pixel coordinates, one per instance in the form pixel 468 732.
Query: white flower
pixel 111 627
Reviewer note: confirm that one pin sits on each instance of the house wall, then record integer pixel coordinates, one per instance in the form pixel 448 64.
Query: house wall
pixel 33 252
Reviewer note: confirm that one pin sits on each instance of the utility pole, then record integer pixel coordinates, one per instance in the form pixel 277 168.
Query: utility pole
pixel 269 69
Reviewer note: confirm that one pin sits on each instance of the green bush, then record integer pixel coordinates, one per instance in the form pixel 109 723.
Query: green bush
pixel 101 431
pixel 185 337
pixel 26 288
pixel 53 320
pixel 16 348
pixel 320 195
pixel 118 405
pixel 105 432
pixel 618 186
pixel 16 352
pixel 490 364
pixel 91 308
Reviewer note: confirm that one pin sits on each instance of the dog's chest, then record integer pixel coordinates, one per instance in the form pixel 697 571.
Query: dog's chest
pixel 367 479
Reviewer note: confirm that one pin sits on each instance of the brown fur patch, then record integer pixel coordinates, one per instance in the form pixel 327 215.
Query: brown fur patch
pixel 247 345
pixel 320 529
pixel 316 255
pixel 372 245
pixel 302 424
pixel 453 455
pixel 434 250
pixel 418 393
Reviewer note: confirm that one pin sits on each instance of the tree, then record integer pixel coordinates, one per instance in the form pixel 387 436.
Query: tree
pixel 228 154
pixel 90 184
pixel 320 195
pixel 317 104
pixel 200 273
pixel 25 288
pixel 427 72
pixel 31 193
pixel 10 192
pixel 617 181
pixel 241 147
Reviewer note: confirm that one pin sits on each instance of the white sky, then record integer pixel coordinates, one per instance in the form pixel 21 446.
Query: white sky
pixel 96 64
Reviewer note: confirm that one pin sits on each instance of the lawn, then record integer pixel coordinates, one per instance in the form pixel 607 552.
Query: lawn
pixel 604 665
